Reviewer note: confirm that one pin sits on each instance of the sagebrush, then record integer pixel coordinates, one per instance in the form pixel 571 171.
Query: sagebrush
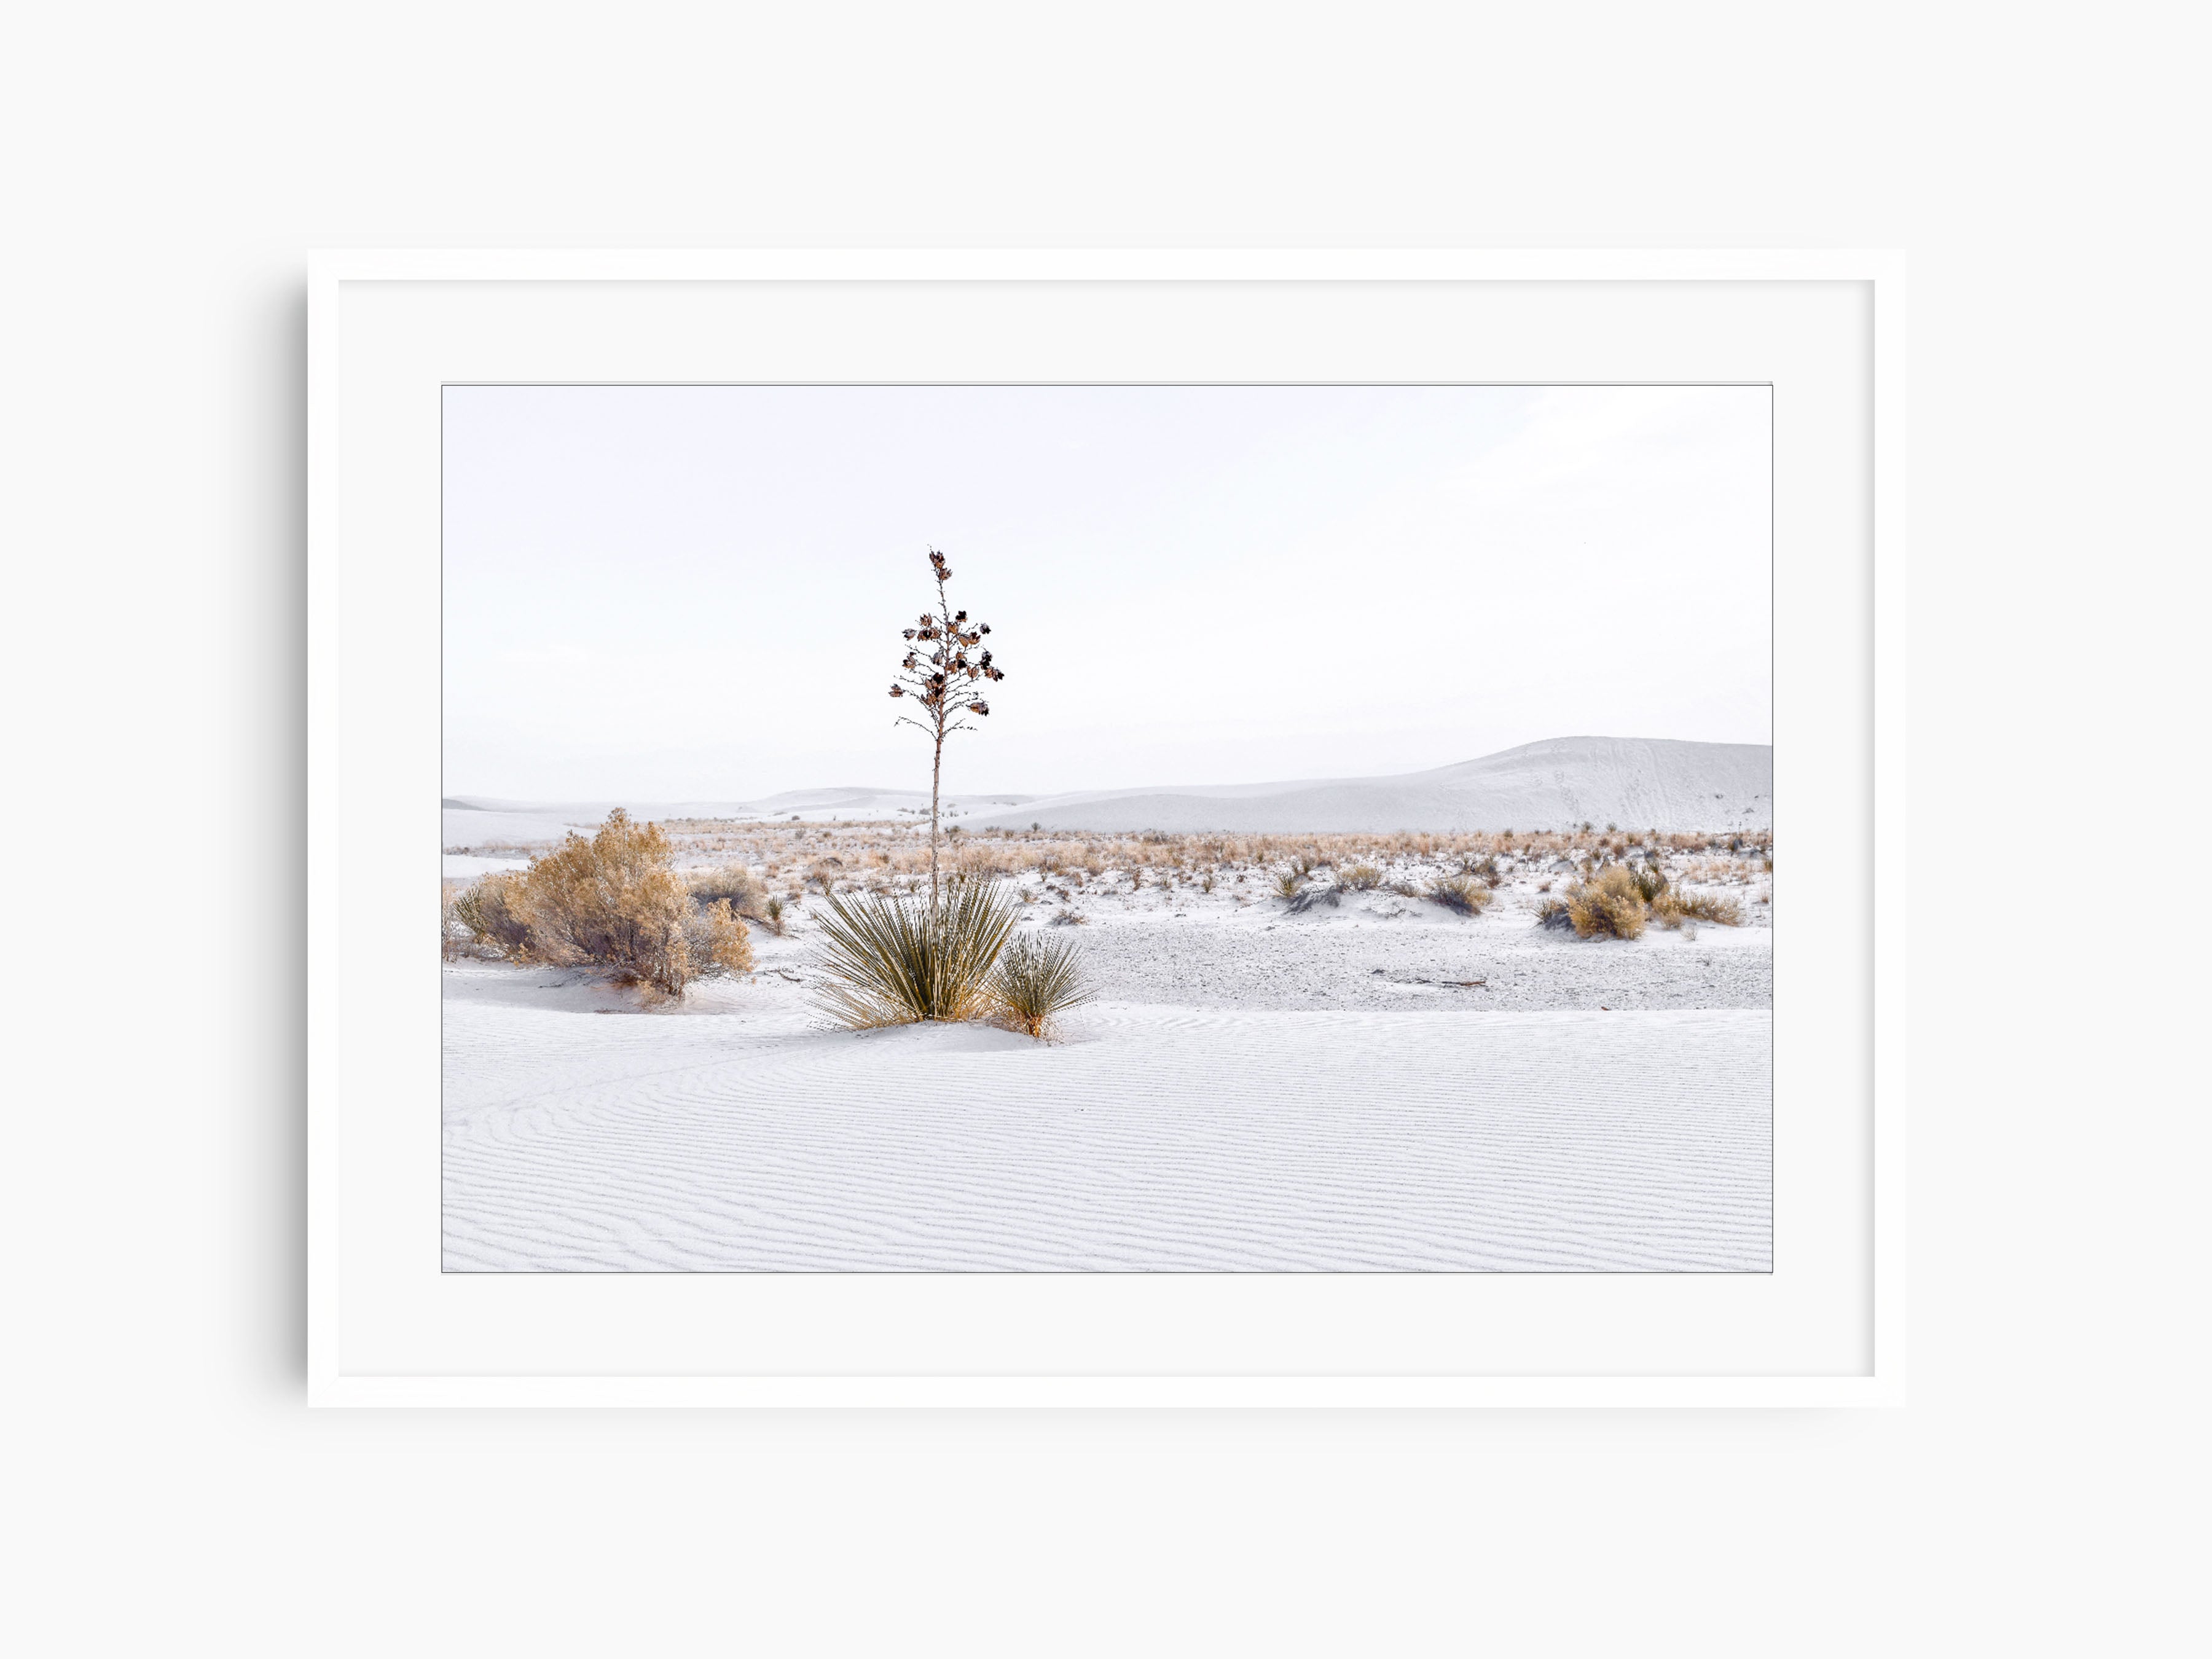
pixel 610 901
pixel 1462 894
pixel 1674 906
pixel 1609 903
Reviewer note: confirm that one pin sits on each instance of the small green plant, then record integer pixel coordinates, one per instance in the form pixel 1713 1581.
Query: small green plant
pixel 888 961
pixel 774 909
pixel 1651 881
pixel 1036 980
pixel 1287 882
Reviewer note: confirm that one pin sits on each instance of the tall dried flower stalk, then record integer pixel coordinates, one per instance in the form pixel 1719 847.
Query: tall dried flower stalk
pixel 939 674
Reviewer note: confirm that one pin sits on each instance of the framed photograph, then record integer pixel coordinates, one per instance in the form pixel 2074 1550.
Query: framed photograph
pixel 1106 828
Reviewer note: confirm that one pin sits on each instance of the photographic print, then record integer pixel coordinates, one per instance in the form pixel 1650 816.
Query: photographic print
pixel 1098 827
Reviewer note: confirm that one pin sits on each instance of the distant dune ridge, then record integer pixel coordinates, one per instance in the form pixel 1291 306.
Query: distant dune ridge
pixel 471 820
pixel 1637 783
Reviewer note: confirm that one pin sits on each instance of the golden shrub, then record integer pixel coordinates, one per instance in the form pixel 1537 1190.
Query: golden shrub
pixel 608 901
pixel 1676 906
pixel 744 891
pixel 1607 903
pixel 1463 894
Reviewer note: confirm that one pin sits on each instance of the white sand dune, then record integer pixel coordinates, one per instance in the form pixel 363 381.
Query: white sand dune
pixel 1158 1139
pixel 1638 783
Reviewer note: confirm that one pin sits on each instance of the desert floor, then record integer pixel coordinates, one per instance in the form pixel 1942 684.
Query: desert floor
pixel 1374 1084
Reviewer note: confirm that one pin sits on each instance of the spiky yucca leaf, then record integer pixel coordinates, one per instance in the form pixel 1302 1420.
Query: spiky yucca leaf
pixel 1037 980
pixel 893 961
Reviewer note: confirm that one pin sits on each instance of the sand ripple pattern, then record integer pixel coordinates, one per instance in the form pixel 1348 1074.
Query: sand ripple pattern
pixel 1158 1139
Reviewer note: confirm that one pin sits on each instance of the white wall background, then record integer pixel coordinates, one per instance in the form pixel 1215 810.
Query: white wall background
pixel 166 1489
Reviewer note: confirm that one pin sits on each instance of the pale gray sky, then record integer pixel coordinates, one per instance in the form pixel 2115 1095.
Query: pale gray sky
pixel 669 593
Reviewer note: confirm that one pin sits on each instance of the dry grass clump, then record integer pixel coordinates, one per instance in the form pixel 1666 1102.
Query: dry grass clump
pixel 1676 906
pixel 490 915
pixel 1036 980
pixel 1609 903
pixel 888 961
pixel 1461 894
pixel 734 882
pixel 1359 877
pixel 1287 882
pixel 609 902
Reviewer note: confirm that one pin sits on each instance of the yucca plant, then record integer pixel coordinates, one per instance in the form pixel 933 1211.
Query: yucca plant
pixel 890 961
pixel 1037 980
pixel 938 674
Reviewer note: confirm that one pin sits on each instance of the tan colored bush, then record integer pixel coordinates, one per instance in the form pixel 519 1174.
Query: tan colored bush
pixel 609 902
pixel 492 911
pixel 1607 903
pixel 1360 878
pixel 1463 894
pixel 744 889
pixel 715 939
pixel 1674 905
